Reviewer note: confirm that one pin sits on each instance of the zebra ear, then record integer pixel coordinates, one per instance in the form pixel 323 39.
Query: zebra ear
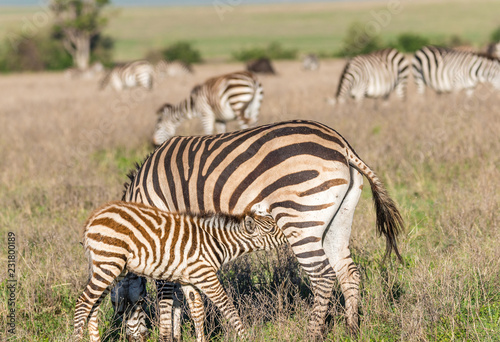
pixel 250 224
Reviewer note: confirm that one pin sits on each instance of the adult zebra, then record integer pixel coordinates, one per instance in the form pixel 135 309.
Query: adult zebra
pixel 234 96
pixel 374 75
pixel 129 75
pixel 448 70
pixel 303 173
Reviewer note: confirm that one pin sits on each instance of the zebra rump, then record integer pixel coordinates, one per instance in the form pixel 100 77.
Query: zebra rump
pixel 374 75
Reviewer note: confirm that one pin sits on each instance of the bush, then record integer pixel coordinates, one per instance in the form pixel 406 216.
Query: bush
pixel 359 41
pixel 495 35
pixel 182 51
pixel 273 51
pixel 34 54
pixel 410 42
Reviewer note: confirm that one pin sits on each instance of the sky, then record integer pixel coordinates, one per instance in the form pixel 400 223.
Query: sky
pixel 157 2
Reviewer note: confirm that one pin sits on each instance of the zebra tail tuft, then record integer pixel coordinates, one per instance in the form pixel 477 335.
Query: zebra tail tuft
pixel 389 220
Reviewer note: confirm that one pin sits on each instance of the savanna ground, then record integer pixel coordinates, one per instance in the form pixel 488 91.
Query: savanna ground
pixel 65 148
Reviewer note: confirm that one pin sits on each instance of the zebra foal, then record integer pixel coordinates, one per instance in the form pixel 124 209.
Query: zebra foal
pixel 121 237
pixel 234 96
pixel 374 75
pixel 447 70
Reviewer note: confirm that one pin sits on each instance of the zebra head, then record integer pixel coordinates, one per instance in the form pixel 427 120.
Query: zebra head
pixel 262 231
pixel 166 124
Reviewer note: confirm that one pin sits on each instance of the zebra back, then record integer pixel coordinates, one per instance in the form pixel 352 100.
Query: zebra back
pixel 128 75
pixel 447 70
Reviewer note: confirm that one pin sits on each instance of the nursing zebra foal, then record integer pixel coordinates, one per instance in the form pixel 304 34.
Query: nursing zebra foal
pixel 374 75
pixel 448 70
pixel 234 96
pixel 130 75
pixel 303 173
pixel 121 237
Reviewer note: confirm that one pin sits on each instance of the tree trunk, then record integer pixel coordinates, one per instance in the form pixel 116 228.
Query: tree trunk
pixel 82 53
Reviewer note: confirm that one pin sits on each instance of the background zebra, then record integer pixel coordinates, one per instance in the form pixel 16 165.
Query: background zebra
pixel 448 70
pixel 121 237
pixel 234 96
pixel 303 173
pixel 311 62
pixel 130 75
pixel 374 75
pixel 172 68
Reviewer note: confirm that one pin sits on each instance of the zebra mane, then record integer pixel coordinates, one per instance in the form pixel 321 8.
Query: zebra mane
pixel 229 220
pixel 132 174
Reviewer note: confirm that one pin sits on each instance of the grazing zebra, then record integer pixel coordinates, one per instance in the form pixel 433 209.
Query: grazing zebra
pixel 311 62
pixel 374 75
pixel 172 68
pixel 303 173
pixel 448 70
pixel 121 237
pixel 130 75
pixel 234 96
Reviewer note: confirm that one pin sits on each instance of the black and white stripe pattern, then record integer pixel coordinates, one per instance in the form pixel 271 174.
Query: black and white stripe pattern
pixel 448 70
pixel 234 96
pixel 130 75
pixel 374 75
pixel 121 237
pixel 303 173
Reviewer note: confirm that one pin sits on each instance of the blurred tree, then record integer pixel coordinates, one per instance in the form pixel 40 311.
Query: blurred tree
pixel 495 35
pixel 79 21
pixel 360 39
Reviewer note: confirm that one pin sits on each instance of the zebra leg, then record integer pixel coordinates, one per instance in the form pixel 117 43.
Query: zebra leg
pixel 168 303
pixel 89 301
pixel 336 246
pixel 136 318
pixel 220 126
pixel 197 311
pixel 213 289
pixel 126 294
pixel 317 266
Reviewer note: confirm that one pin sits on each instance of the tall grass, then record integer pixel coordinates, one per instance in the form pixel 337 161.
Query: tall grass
pixel 66 148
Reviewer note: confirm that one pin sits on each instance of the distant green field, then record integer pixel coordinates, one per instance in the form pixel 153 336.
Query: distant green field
pixel 317 27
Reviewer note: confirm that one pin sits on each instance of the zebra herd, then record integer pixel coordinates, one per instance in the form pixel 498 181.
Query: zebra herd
pixel 378 74
pixel 198 202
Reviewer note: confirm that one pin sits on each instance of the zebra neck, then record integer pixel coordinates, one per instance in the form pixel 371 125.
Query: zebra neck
pixel 182 111
pixel 227 232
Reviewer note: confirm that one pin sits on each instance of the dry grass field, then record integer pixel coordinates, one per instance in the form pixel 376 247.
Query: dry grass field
pixel 65 148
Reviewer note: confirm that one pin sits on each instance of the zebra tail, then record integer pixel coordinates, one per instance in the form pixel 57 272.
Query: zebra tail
pixel 389 220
